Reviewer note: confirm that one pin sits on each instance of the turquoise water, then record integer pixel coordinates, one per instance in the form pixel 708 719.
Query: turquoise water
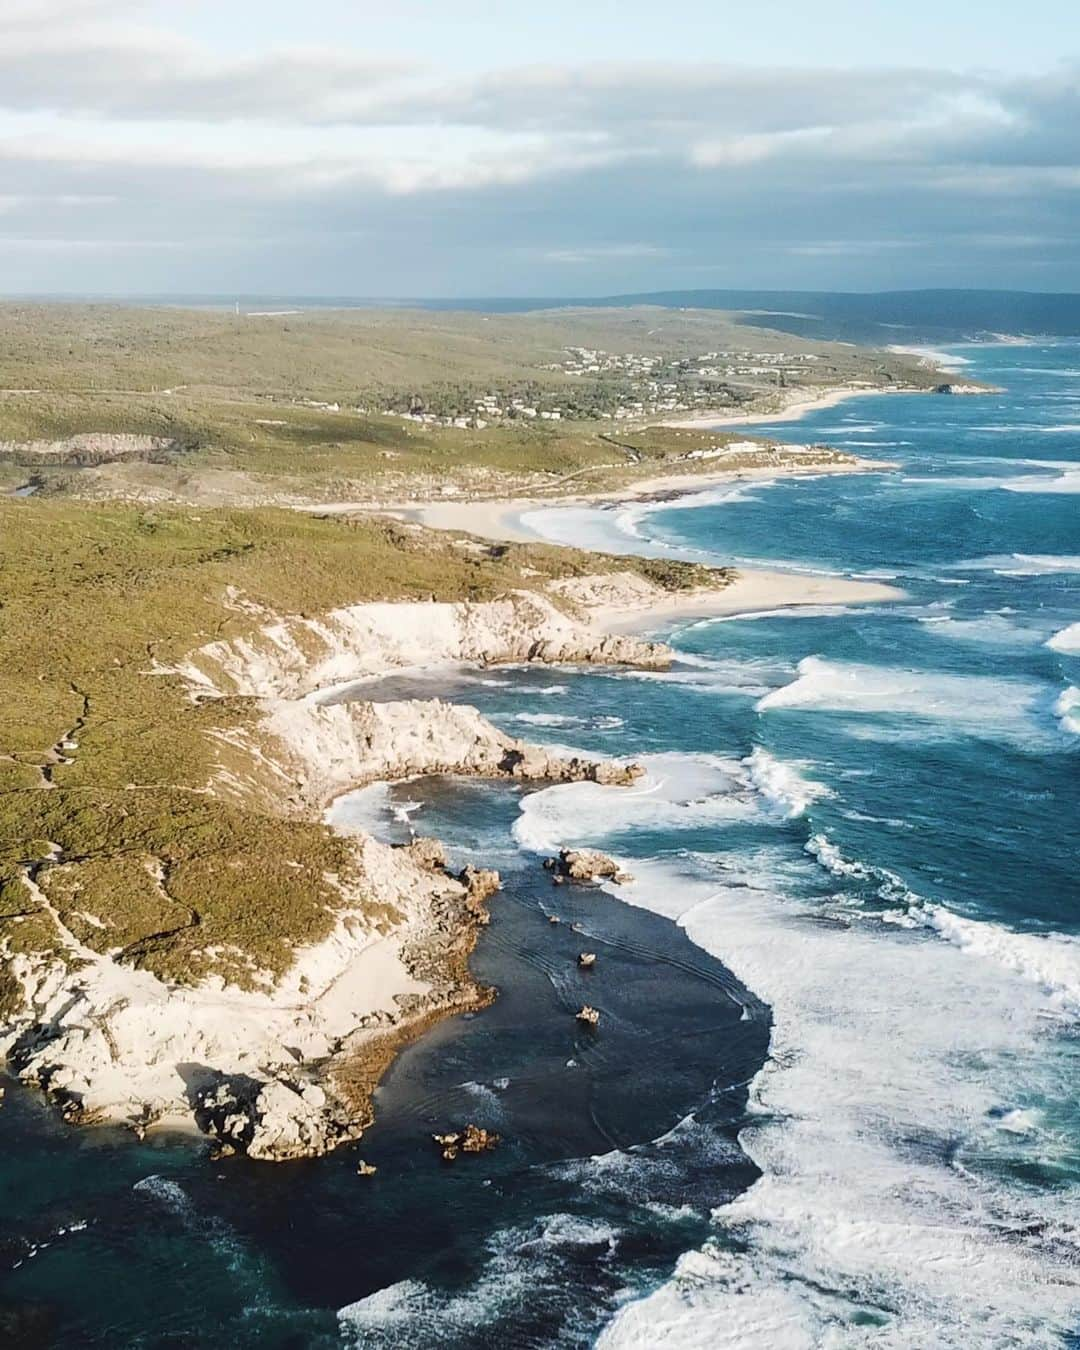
pixel 859 837
pixel 914 921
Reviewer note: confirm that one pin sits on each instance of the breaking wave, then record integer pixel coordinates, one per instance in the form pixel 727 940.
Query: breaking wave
pixel 527 1267
pixel 677 792
pixel 783 784
pixel 1067 710
pixel 979 705
pixel 1068 483
pixel 1022 564
pixel 1067 640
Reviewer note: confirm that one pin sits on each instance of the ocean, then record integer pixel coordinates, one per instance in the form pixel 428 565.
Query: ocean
pixel 833 1097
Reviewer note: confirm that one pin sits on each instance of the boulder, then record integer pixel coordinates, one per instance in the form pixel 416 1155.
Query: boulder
pixel 273 1120
pixel 586 864
pixel 472 1139
pixel 480 883
pixel 427 853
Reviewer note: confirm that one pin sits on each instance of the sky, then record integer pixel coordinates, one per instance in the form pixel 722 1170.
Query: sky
pixel 447 148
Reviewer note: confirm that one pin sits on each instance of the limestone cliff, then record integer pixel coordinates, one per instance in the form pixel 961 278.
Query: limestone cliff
pixel 284 1067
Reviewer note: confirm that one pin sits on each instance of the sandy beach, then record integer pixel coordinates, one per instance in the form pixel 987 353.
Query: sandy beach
pixel 801 402
pixel 754 589
pixel 501 519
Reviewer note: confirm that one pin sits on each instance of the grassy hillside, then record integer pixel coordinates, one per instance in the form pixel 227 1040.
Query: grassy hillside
pixel 339 354
pixel 104 765
pixel 291 408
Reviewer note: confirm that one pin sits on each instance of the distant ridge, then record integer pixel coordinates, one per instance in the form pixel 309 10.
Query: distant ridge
pixel 877 317
pixel 854 316
pixel 918 315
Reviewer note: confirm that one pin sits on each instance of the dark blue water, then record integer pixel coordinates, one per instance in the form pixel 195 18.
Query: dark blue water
pixel 616 1144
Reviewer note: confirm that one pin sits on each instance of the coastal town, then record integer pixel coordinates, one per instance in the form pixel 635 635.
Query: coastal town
pixel 619 387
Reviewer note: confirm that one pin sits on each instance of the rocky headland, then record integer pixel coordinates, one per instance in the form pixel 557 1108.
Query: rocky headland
pixel 282 1065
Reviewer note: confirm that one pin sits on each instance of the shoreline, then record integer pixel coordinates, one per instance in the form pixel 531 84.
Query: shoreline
pixel 491 517
pixel 805 401
pixel 753 590
pixel 499 519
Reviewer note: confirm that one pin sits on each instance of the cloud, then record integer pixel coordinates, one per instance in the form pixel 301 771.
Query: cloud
pixel 175 165
pixel 144 75
pixel 44 14
pixel 602 253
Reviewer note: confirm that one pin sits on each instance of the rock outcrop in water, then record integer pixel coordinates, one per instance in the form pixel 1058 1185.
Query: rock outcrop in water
pixel 472 1139
pixel 587 864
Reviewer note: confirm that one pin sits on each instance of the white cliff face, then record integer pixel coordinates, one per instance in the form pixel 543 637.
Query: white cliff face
pixel 256 1067
pixel 298 656
pixel 125 1046
pixel 304 753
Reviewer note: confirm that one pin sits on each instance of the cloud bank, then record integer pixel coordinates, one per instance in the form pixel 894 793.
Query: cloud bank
pixel 135 158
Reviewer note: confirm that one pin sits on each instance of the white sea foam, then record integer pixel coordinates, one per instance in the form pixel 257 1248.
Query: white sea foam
pixel 783 783
pixel 547 719
pixel 782 612
pixel 365 810
pixel 1021 564
pixel 821 847
pixel 979 705
pixel 629 519
pixel 896 1055
pixel 403 812
pixel 1066 483
pixel 1067 710
pixel 603 723
pixel 372 810
pixel 524 687
pixel 678 791
pixel 1050 960
pixel 592 527
pixel 992 629
pixel 740 678
pixel 1067 640
pixel 167 1192
pixel 1028 428
pixel 521 1262
pixel 487 1097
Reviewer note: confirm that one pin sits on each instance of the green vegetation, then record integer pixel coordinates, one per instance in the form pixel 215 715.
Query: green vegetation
pixel 289 408
pixel 339 355
pixel 105 763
